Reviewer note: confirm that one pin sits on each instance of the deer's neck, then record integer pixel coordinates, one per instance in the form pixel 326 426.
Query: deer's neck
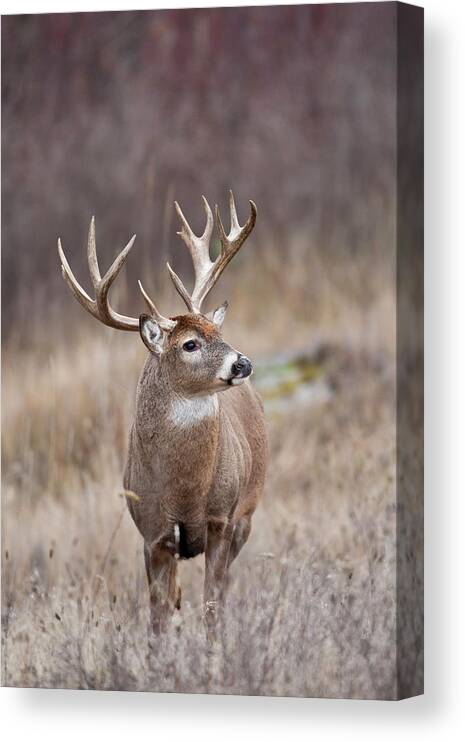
pixel 184 413
pixel 163 411
pixel 173 447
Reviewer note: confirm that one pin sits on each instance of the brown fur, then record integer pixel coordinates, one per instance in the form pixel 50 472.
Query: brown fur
pixel 206 476
pixel 196 322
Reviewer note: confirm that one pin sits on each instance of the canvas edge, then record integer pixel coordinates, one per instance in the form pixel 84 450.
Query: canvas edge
pixel 410 353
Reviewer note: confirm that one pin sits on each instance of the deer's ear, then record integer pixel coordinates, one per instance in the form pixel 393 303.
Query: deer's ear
pixel 151 334
pixel 217 317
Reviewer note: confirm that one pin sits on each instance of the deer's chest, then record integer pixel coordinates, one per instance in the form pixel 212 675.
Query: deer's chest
pixel 232 469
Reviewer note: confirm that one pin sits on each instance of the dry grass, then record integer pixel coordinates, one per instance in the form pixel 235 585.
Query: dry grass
pixel 311 609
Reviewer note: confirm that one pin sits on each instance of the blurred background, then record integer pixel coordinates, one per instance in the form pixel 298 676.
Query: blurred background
pixel 118 115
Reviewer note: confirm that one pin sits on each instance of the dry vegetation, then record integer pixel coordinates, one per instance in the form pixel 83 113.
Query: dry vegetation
pixel 311 608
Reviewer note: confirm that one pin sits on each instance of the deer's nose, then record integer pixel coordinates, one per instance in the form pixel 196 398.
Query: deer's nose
pixel 242 367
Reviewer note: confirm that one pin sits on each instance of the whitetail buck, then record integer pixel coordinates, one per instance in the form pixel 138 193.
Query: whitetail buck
pixel 196 458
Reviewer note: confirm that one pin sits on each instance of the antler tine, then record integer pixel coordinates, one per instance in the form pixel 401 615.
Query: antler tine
pixel 230 243
pixel 181 289
pixel 207 272
pixel 100 307
pixel 232 209
pixel 102 287
pixel 92 255
pixel 79 293
pixel 237 234
pixel 164 322
pixel 199 248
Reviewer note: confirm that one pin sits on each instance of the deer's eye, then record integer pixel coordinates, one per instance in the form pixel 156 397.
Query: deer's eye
pixel 190 346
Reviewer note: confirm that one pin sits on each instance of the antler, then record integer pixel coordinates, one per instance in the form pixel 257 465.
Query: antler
pixel 100 307
pixel 207 272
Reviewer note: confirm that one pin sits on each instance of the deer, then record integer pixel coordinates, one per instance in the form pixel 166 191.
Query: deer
pixel 196 460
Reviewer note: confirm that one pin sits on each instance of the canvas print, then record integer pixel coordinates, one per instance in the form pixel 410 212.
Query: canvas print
pixel 212 432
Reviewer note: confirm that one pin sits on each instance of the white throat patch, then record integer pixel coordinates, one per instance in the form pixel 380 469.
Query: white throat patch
pixel 187 412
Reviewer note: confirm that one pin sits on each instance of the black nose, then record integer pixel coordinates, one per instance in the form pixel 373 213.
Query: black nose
pixel 242 367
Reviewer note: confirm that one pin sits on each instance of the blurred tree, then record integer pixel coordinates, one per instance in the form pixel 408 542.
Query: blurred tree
pixel 118 113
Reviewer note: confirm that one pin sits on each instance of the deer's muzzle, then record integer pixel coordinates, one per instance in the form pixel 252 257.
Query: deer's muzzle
pixel 241 368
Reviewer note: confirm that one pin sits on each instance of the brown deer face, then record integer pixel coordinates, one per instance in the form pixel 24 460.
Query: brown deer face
pixel 194 355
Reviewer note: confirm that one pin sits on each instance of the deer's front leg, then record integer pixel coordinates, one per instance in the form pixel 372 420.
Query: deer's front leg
pixel 216 564
pixel 164 591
